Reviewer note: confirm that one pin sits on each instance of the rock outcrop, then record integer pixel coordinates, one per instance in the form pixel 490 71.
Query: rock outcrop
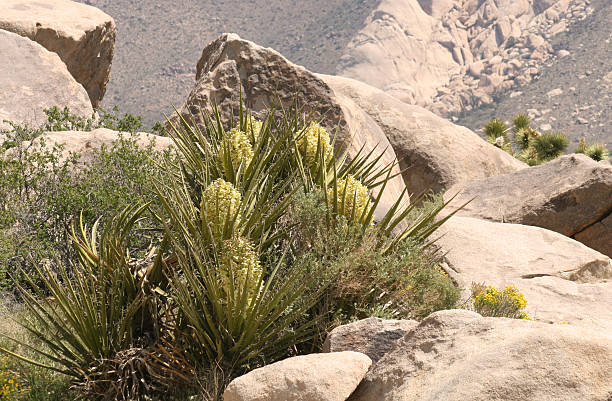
pixel 571 195
pixel 81 35
pixel 453 55
pixel 33 79
pixel 459 355
pixel 231 67
pixel 562 280
pixel 434 154
pixel 314 377
pixel 373 337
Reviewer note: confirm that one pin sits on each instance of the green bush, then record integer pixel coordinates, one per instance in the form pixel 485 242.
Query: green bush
pixel 42 189
pixel 404 282
pixel 268 240
pixel 595 151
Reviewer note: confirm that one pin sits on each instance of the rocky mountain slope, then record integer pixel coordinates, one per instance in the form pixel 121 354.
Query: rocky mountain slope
pixel 158 43
pixel 455 57
pixel 573 94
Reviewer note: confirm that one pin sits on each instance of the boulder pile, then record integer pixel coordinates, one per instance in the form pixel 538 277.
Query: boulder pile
pixel 454 55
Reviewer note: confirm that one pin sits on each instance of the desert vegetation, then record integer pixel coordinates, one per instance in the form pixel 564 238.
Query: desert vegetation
pixel 139 273
pixel 534 147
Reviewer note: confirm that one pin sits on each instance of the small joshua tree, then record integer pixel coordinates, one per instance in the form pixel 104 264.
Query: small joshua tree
pixel 529 145
pixel 596 151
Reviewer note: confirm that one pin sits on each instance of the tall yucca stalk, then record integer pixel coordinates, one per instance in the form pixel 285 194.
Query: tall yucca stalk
pixel 225 323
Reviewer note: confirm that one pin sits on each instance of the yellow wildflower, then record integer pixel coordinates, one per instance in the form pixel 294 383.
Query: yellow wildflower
pixel 310 140
pixel 221 200
pixel 490 301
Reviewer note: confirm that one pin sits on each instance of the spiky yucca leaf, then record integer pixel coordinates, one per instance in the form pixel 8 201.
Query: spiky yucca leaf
pixel 99 308
pixel 521 122
pixel 495 129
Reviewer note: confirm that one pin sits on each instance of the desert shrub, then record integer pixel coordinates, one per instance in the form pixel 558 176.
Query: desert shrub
pixel 490 301
pixel 63 120
pixel 42 189
pixel 550 146
pixel 527 144
pixel 269 238
pixel 595 151
pixel 403 282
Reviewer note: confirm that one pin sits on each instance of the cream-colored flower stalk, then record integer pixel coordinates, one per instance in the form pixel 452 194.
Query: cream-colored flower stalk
pixel 240 261
pixel 220 200
pixel 308 143
pixel 253 128
pixel 239 147
pixel 351 194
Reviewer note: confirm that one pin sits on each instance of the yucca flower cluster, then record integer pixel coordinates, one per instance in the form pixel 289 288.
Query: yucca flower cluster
pixel 491 301
pixel 253 128
pixel 309 140
pixel 352 198
pixel 240 261
pixel 237 143
pixel 221 201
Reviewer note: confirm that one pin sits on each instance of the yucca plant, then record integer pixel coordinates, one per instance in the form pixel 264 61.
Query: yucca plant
pixel 221 217
pixel 235 313
pixel 94 313
pixel 596 151
pixel 550 146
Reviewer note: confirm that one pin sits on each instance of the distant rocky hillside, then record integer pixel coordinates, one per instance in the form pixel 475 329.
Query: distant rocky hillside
pixel 159 43
pixel 454 57
pixel 573 94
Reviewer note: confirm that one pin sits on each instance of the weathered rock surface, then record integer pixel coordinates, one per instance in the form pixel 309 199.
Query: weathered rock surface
pixel 373 337
pixel 453 55
pixel 459 355
pixel 401 51
pixel 314 377
pixel 82 36
pixel 32 79
pixel 571 195
pixel 562 279
pixel 433 153
pixel 230 66
pixel 85 143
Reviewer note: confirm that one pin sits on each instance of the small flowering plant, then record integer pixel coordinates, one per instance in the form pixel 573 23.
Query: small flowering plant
pixel 10 386
pixel 490 301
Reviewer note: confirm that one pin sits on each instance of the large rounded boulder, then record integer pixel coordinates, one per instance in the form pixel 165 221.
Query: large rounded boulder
pixel 35 79
pixel 81 35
